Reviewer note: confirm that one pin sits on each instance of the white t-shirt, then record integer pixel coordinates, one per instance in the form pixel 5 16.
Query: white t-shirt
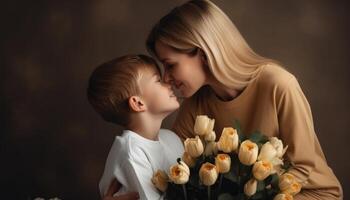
pixel 134 159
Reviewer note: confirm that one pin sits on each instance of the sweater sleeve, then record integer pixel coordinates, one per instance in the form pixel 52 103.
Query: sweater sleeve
pixel 138 172
pixel 297 131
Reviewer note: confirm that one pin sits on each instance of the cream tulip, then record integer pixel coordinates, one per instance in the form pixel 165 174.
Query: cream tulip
pixel 223 163
pixel 203 125
pixel 229 140
pixel 210 137
pixel 194 146
pixel 211 149
pixel 283 197
pixel 267 152
pixel 208 174
pixel 248 152
pixel 250 187
pixel 262 169
pixel 189 160
pixel 179 173
pixel 160 180
pixel 278 145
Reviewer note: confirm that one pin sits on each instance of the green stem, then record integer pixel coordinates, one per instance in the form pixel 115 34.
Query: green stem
pixel 185 192
pixel 220 183
pixel 208 192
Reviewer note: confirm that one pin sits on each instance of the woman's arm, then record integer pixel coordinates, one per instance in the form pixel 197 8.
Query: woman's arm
pixel 297 131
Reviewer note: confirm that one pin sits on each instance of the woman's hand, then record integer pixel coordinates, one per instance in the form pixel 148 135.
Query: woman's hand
pixel 114 187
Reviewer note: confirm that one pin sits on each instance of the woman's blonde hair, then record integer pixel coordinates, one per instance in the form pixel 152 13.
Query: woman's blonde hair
pixel 200 24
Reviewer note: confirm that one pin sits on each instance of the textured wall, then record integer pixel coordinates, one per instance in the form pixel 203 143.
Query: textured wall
pixel 53 143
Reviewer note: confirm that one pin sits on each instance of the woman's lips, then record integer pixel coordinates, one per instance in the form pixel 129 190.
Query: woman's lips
pixel 178 85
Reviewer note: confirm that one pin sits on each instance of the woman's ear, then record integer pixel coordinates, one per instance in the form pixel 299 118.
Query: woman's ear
pixel 136 104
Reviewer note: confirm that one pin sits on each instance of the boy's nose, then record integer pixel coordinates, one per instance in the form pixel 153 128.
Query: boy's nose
pixel 167 78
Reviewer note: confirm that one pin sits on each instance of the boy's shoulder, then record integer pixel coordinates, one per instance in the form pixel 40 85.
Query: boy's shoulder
pixel 166 134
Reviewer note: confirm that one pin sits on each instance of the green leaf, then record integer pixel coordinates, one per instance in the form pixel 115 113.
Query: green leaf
pixel 257 137
pixel 261 186
pixel 231 176
pixel 274 181
pixel 258 195
pixel 237 126
pixel 225 196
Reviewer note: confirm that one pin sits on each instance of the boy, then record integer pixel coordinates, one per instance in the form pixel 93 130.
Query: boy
pixel 128 91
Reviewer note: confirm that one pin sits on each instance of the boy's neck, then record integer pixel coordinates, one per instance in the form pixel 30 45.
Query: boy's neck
pixel 145 125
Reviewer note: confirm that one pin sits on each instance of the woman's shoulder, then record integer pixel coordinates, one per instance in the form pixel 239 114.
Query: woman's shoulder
pixel 275 76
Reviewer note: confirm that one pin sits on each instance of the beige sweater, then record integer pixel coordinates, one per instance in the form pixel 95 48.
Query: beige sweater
pixel 275 105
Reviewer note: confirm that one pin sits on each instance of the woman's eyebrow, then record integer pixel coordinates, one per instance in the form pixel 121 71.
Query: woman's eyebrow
pixel 164 60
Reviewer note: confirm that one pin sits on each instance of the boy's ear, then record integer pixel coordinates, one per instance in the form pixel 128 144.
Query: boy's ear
pixel 136 104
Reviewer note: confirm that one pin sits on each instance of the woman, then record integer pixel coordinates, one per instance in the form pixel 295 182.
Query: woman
pixel 208 61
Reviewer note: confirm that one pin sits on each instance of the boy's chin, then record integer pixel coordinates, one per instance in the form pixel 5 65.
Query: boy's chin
pixel 172 109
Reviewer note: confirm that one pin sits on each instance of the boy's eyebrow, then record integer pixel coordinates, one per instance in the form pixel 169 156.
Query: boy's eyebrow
pixel 156 74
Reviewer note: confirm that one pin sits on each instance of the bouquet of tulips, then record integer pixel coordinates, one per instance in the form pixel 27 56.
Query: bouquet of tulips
pixel 235 167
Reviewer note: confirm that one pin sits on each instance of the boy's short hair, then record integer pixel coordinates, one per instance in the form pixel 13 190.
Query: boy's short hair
pixel 112 84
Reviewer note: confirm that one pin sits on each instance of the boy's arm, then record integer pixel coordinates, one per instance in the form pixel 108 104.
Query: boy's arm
pixel 114 187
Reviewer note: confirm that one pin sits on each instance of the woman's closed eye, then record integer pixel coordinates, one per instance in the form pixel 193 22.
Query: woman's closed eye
pixel 169 65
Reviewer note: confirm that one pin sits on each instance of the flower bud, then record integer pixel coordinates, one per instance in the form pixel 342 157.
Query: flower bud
pixel 179 173
pixel 203 125
pixel 288 184
pixel 160 180
pixel 228 141
pixel 267 152
pixel 208 174
pixel 285 181
pixel 283 197
pixel 223 163
pixel 278 145
pixel 210 137
pixel 262 169
pixel 189 160
pixel 211 149
pixel 194 146
pixel 248 152
pixel 250 187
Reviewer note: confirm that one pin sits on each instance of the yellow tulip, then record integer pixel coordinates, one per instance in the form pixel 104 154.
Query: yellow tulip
pixel 283 197
pixel 208 174
pixel 223 163
pixel 294 189
pixel 189 160
pixel 194 146
pixel 228 141
pixel 248 152
pixel 250 187
pixel 262 169
pixel 203 125
pixel 179 173
pixel 160 180
pixel 285 181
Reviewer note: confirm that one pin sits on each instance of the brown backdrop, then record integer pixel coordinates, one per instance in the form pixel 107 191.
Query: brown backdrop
pixel 53 143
